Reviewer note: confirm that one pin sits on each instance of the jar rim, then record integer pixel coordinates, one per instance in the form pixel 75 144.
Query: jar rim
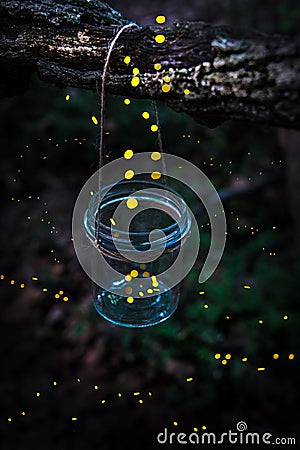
pixel 173 232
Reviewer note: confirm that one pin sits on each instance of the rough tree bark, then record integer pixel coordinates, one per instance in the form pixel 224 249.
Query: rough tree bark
pixel 228 73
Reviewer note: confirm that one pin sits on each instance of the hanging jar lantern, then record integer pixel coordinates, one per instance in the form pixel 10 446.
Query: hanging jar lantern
pixel 142 292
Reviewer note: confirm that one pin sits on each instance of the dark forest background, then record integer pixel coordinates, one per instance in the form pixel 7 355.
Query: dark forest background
pixel 60 361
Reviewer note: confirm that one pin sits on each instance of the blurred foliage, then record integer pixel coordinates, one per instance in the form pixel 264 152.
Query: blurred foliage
pixel 271 16
pixel 58 143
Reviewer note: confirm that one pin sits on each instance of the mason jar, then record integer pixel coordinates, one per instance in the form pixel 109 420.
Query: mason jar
pixel 142 291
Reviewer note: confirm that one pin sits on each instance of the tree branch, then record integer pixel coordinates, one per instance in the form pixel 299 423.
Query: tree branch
pixel 225 73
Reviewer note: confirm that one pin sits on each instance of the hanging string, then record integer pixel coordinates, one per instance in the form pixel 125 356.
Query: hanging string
pixel 101 113
pixel 102 93
pixel 101 128
pixel 159 140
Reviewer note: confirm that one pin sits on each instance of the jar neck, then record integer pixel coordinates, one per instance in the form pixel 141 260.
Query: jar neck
pixel 105 234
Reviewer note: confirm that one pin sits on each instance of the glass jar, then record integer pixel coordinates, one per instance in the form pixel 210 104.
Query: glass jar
pixel 142 292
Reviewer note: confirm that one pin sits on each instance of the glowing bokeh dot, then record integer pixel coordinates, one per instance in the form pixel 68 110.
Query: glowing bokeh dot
pixel 154 128
pixel 128 154
pixel 129 174
pixel 155 156
pixel 130 299
pixel 134 273
pixel 135 81
pixel 291 356
pixel 127 101
pixel 165 88
pixel 145 115
pixel 155 175
pixel 160 38
pixel 275 356
pixel 157 66
pixel 135 71
pixel 160 19
pixel 154 281
pixel 187 91
pixel 131 203
pixel 95 120
pixel 127 59
pixel 217 356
